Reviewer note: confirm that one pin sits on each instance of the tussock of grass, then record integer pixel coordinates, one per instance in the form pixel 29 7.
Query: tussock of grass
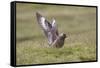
pixel 79 23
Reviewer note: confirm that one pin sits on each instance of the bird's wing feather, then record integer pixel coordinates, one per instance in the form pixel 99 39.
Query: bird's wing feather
pixel 54 27
pixel 46 26
pixel 43 22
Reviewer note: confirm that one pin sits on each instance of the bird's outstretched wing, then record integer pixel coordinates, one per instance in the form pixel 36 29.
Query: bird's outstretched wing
pixel 54 27
pixel 54 30
pixel 46 26
pixel 50 30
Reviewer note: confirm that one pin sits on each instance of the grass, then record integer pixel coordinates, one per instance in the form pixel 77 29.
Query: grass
pixel 79 23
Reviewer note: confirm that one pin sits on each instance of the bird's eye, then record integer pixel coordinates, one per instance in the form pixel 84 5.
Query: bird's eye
pixel 64 35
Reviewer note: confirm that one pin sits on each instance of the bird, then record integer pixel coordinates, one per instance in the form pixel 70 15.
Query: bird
pixel 50 30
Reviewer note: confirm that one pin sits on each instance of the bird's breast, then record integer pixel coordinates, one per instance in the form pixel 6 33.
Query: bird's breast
pixel 58 43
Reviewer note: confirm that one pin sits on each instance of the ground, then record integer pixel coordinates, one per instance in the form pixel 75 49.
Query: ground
pixel 78 23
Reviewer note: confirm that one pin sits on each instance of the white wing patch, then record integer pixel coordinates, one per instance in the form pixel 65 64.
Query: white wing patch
pixel 53 23
pixel 43 23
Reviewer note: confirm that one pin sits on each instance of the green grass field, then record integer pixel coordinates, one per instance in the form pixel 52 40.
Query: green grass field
pixel 79 23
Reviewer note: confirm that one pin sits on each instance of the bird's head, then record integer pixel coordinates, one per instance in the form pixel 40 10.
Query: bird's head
pixel 63 35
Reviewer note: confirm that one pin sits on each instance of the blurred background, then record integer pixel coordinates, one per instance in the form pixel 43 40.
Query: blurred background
pixel 79 23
